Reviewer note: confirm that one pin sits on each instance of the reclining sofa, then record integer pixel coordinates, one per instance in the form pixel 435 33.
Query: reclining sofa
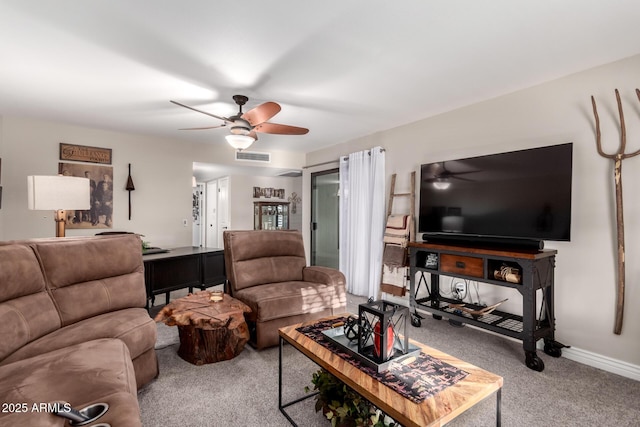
pixel 74 329
pixel 267 270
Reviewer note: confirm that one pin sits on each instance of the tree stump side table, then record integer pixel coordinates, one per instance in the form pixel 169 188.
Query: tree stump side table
pixel 209 331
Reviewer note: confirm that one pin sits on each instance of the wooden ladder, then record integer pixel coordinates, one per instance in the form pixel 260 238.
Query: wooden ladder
pixel 394 290
pixel 411 195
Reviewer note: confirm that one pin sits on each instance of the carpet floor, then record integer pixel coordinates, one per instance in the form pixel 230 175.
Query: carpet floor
pixel 244 391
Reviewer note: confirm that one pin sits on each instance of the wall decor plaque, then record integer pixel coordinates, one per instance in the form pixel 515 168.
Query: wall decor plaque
pixel 83 153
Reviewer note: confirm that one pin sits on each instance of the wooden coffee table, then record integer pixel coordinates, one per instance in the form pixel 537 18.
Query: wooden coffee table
pixel 209 331
pixel 436 410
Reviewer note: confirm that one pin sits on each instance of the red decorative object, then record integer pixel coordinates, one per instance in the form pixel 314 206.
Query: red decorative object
pixel 378 338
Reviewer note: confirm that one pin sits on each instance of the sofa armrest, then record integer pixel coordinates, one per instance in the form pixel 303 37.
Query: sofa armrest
pixel 326 275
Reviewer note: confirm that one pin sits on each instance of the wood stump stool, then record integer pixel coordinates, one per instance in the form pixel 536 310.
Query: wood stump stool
pixel 209 331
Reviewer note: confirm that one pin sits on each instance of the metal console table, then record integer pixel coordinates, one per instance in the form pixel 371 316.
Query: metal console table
pixel 537 273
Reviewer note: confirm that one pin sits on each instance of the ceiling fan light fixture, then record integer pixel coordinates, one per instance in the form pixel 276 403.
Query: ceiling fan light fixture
pixel 240 142
pixel 240 127
pixel 441 184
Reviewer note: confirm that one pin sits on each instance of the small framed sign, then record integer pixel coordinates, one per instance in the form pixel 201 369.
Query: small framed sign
pixel 83 153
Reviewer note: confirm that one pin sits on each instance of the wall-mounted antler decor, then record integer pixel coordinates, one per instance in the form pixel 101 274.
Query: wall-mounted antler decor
pixel 617 173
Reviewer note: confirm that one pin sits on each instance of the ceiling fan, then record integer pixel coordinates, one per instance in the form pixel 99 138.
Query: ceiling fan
pixel 244 126
pixel 441 179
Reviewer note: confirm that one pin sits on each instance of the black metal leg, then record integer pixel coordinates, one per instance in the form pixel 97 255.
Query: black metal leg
pixel 282 406
pixel 498 404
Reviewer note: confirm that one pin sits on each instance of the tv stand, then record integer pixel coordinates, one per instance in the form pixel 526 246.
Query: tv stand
pixel 536 273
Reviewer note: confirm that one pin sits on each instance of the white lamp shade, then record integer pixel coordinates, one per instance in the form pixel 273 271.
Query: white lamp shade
pixel 58 192
pixel 240 142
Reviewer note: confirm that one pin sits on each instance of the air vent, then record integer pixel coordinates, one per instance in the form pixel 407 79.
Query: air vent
pixel 291 174
pixel 252 156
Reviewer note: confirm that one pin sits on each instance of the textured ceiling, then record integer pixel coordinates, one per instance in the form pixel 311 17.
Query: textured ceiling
pixel 343 69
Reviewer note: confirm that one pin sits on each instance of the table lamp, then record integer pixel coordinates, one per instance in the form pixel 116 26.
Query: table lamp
pixel 58 193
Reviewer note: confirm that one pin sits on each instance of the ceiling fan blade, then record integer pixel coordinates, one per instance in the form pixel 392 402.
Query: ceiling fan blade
pixel 261 113
pixel 208 127
pixel 224 119
pixel 253 134
pixel 280 129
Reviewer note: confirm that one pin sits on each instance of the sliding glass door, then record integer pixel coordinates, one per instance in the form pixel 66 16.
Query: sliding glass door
pixel 325 208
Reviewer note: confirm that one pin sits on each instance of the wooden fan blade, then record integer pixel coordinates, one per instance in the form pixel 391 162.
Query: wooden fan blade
pixel 253 134
pixel 261 113
pixel 280 129
pixel 224 119
pixel 208 127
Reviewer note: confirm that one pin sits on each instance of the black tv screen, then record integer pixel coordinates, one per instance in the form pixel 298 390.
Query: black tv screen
pixel 522 194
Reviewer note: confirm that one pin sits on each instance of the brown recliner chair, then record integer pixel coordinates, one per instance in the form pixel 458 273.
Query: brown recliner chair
pixel 267 270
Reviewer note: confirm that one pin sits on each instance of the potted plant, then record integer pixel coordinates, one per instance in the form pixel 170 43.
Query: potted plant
pixel 343 406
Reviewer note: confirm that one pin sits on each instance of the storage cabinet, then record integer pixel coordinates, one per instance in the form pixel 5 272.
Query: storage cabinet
pixel 180 268
pixel 526 271
pixel 270 215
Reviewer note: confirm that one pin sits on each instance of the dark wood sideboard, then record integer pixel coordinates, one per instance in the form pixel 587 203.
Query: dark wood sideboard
pixel 179 268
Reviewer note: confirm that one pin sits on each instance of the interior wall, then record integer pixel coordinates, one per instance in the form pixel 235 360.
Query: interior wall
pixel 161 169
pixel 552 113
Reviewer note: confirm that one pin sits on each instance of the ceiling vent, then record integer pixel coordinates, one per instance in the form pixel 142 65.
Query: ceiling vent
pixel 291 174
pixel 252 156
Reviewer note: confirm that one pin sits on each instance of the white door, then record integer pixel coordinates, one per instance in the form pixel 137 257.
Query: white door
pixel 212 215
pixel 223 208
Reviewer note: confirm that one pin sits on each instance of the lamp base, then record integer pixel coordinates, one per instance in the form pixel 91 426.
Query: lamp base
pixel 60 222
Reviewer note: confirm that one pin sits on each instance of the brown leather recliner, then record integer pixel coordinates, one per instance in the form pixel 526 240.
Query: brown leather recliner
pixel 267 270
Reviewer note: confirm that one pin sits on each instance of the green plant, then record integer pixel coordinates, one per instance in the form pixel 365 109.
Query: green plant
pixel 343 406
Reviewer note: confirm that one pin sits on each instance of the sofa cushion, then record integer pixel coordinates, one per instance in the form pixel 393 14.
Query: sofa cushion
pixel 94 371
pixel 284 299
pixel 110 276
pixel 258 257
pixel 133 326
pixel 26 310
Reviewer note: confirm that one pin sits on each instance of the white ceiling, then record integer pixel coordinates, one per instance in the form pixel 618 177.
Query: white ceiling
pixel 343 69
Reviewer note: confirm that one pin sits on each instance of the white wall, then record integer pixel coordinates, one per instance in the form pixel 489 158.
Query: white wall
pixel 551 113
pixel 161 169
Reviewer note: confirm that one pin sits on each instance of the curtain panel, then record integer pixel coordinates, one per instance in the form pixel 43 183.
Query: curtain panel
pixel 362 220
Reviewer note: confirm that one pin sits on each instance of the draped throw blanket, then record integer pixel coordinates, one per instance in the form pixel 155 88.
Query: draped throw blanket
pixel 397 230
pixel 362 220
pixel 396 237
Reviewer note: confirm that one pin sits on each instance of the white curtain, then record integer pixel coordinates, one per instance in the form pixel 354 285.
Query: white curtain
pixel 362 220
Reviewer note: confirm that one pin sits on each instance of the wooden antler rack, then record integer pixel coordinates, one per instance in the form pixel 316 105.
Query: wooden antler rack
pixel 618 157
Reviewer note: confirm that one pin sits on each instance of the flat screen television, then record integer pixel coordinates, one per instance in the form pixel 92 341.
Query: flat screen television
pixel 515 197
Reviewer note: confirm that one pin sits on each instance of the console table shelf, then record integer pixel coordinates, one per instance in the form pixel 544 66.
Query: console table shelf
pixel 535 271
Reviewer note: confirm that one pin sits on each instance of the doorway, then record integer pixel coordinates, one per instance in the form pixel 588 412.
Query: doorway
pixel 325 218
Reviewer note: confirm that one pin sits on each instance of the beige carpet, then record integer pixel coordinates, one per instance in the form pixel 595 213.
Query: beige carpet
pixel 244 390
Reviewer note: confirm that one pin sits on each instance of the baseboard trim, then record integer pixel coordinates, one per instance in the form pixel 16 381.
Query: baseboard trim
pixel 605 363
pixel 585 357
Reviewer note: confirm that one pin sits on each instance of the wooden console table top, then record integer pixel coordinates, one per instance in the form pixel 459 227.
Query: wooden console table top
pixel 434 411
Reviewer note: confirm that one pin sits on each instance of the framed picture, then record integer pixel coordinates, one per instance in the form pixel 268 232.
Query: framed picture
pixel 83 153
pixel 100 213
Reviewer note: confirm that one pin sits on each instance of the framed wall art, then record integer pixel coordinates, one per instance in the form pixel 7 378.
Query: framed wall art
pixel 100 215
